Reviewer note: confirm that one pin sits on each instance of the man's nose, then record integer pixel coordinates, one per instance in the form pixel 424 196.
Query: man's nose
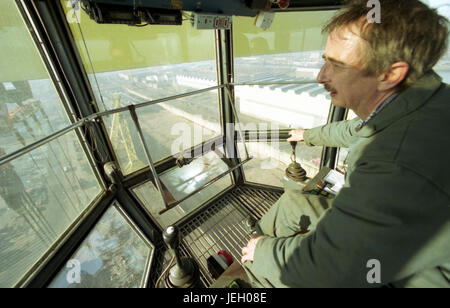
pixel 323 74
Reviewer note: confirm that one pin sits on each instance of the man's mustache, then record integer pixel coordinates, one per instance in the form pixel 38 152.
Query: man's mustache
pixel 329 88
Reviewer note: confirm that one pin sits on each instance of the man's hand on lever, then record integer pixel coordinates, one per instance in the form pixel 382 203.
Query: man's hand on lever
pixel 248 252
pixel 296 135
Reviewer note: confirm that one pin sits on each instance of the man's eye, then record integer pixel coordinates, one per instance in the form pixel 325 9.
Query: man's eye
pixel 338 65
pixel 333 65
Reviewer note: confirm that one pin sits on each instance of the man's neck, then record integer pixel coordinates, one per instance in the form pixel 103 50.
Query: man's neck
pixel 370 108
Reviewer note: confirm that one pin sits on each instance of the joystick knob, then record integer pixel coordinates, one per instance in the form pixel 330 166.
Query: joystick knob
pixel 185 273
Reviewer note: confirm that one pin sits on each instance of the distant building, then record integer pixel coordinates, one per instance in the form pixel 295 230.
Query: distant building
pixel 298 105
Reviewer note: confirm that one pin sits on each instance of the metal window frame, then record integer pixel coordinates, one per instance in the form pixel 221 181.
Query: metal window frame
pixel 44 19
pixel 85 227
pixel 47 18
pixel 40 275
pixel 58 81
pixel 146 275
pixel 329 155
pixel 225 77
pixel 58 51
pixel 52 255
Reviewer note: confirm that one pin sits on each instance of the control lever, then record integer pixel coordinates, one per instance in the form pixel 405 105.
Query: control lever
pixel 252 226
pixel 293 145
pixel 185 273
pixel 295 171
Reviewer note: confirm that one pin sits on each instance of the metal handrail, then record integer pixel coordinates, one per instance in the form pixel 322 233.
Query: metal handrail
pixel 18 153
pixel 274 83
pixel 132 109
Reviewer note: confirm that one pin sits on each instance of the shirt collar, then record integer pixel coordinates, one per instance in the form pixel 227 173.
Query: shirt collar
pixel 376 111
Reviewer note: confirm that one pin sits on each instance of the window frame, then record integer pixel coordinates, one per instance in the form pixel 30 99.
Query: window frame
pixel 329 155
pixel 58 50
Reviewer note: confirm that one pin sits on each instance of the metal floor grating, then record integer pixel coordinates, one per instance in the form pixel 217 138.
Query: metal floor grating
pixel 222 225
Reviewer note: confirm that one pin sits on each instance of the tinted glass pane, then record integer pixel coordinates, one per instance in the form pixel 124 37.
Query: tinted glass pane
pixel 443 66
pixel 41 195
pixel 282 106
pixel 169 129
pixel 43 192
pixel 114 255
pixel 288 50
pixel 270 108
pixel 181 182
pixel 270 160
pixel 29 104
pixel 153 60
pixel 19 60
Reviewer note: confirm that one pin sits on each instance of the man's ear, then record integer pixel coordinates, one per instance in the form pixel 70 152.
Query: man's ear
pixel 396 73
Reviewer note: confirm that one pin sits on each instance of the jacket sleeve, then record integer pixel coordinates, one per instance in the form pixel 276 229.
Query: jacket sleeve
pixel 385 213
pixel 338 134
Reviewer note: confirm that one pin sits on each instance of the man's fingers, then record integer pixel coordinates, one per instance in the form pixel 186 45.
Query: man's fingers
pixel 295 135
pixel 244 250
pixel 245 254
pixel 245 258
pixel 249 250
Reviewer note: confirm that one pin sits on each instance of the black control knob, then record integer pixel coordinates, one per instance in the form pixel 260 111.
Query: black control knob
pixel 293 144
pixel 185 273
pixel 172 237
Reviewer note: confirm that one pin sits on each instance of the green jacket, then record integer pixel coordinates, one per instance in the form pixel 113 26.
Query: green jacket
pixel 394 207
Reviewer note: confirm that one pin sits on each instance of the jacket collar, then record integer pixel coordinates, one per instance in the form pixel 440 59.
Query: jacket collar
pixel 406 102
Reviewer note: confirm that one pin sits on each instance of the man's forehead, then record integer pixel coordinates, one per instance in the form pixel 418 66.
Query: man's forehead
pixel 345 45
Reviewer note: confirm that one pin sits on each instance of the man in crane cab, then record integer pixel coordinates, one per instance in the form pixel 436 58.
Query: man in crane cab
pixel 390 224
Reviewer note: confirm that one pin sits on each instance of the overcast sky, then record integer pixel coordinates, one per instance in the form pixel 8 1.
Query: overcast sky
pixel 443 5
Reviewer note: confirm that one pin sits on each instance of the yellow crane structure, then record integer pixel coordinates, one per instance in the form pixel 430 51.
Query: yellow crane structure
pixel 120 137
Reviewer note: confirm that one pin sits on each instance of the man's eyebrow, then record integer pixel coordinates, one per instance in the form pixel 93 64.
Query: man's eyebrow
pixel 326 58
